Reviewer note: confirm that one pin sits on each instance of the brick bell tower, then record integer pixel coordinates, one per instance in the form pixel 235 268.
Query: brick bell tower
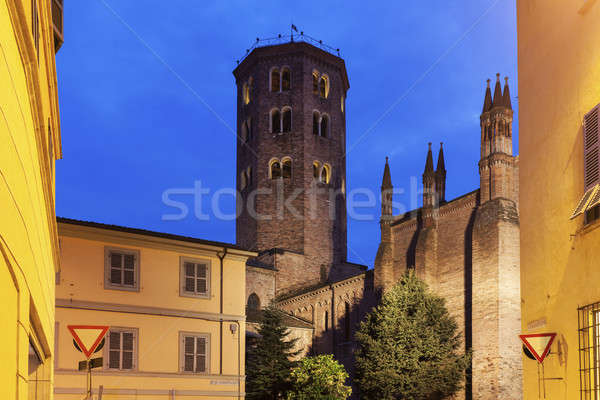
pixel 291 166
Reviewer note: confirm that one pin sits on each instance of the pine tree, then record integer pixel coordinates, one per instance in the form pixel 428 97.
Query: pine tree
pixel 268 362
pixel 409 347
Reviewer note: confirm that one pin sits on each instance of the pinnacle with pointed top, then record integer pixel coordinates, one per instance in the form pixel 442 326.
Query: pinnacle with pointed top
pixel 487 102
pixel 497 102
pixel 506 95
pixel 387 176
pixel 429 162
pixel 441 165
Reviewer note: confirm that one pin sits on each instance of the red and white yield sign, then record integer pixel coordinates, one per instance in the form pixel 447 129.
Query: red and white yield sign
pixel 538 344
pixel 88 337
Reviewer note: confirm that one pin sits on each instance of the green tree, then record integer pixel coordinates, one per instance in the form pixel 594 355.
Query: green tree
pixel 269 359
pixel 409 347
pixel 319 378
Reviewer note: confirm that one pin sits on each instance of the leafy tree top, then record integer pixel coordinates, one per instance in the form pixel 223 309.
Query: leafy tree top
pixel 409 346
pixel 319 378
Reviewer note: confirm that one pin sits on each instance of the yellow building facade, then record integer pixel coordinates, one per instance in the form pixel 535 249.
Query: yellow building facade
pixel 175 307
pixel 30 33
pixel 559 89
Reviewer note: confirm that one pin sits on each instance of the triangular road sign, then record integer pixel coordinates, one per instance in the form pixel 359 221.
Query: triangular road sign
pixel 88 337
pixel 538 344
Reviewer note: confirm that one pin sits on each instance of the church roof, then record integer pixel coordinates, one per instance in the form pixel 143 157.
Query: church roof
pixel 288 320
pixel 410 215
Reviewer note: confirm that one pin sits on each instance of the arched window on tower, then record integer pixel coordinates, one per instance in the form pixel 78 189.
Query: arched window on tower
pixel 275 77
pixel 286 167
pixel 315 77
pixel 286 79
pixel 244 133
pixel 316 170
pixel 325 175
pixel 249 128
pixel 324 128
pixel 326 321
pixel 246 93
pixel 324 86
pixel 243 180
pixel 275 169
pixel 249 179
pixel 316 121
pixel 275 121
pixel 287 119
pixel 253 302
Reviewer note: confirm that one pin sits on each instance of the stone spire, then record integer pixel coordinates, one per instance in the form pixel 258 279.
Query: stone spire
pixel 386 194
pixel 487 102
pixel 429 181
pixel 440 176
pixel 506 95
pixel 498 101
pixel 384 262
pixel 429 162
pixel 387 177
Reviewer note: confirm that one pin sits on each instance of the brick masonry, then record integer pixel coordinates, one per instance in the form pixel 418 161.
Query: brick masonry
pixel 467 249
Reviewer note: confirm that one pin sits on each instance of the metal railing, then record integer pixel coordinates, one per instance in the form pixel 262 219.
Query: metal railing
pixel 282 39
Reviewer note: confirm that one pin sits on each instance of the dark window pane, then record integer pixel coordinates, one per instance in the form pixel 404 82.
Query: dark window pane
pixel 275 80
pixel 200 361
pixel 189 345
pixel 324 127
pixel 115 260
pixel 189 269
pixel 189 363
pixel 201 288
pixel 287 121
pixel 287 169
pixel 113 359
pixel 315 83
pixel 200 346
pixel 127 360
pixel 285 79
pixel 128 277
pixel 315 124
pixel 189 284
pixel 315 171
pixel 115 276
pixel 127 341
pixel 276 121
pixel 115 340
pixel 276 170
pixel 129 261
pixel 201 270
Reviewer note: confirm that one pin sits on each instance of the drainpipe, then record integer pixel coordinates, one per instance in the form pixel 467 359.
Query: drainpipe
pixel 221 258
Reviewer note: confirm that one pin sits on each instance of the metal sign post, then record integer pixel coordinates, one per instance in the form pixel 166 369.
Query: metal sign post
pixel 89 339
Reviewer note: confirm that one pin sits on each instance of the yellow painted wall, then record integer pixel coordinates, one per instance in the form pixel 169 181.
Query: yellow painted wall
pixel 158 370
pixel 559 82
pixel 29 145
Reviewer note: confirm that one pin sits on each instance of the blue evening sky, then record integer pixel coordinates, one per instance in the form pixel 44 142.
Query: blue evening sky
pixel 147 98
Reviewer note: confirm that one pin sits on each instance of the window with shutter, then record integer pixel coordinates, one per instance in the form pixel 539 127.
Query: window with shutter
pixel 121 269
pixel 195 278
pixel 591 148
pixel 591 167
pixel 122 349
pixel 194 352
